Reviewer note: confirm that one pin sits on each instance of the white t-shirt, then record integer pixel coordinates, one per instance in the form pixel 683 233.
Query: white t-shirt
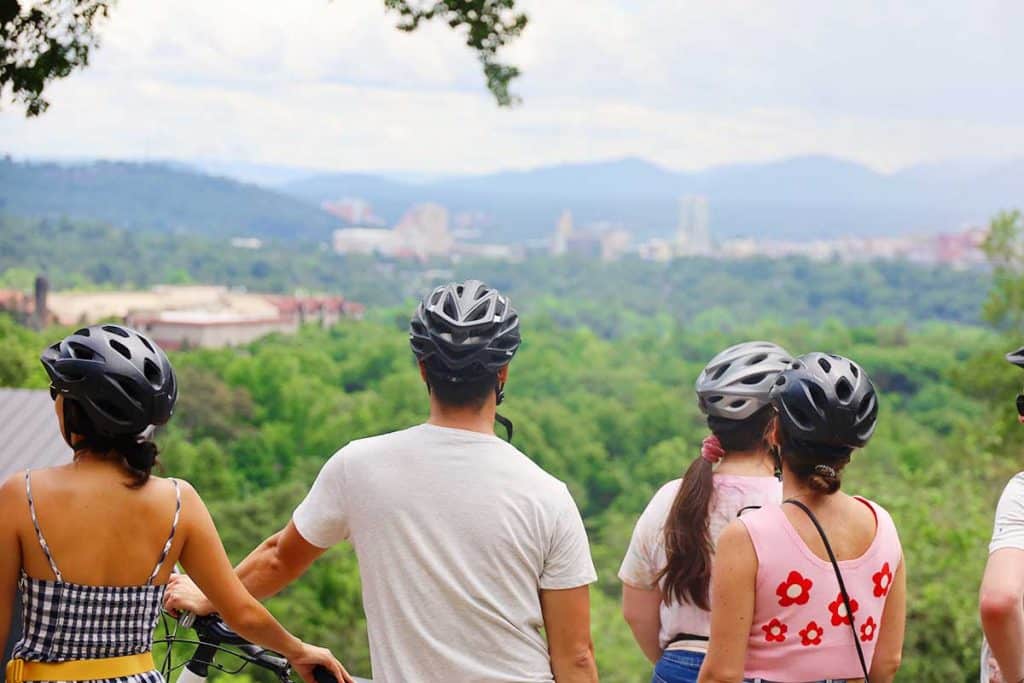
pixel 645 557
pixel 1008 532
pixel 456 533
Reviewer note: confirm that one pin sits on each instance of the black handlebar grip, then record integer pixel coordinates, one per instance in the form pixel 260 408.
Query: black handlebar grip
pixel 323 675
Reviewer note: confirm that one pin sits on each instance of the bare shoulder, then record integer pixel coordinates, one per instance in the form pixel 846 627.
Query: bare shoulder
pixel 12 492
pixel 734 539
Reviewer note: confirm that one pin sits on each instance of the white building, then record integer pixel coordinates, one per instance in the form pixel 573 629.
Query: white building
pixel 694 235
pixel 368 241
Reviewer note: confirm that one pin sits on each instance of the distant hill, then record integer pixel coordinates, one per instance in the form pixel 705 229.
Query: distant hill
pixel 804 197
pixel 158 196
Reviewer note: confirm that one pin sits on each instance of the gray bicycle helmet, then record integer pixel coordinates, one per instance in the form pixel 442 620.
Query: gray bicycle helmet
pixel 827 400
pixel 464 330
pixel 121 380
pixel 737 382
pixel 1016 357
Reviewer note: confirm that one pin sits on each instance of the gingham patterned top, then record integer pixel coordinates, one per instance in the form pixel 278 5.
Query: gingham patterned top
pixel 68 621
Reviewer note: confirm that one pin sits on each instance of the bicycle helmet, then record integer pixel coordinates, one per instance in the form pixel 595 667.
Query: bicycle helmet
pixel 736 383
pixel 1016 357
pixel 828 400
pixel 463 331
pixel 121 380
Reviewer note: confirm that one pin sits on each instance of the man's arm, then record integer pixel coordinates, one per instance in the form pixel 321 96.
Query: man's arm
pixel 273 565
pixel 642 611
pixel 567 624
pixel 1002 610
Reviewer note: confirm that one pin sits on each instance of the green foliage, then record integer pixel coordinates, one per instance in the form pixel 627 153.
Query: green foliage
pixel 1004 248
pixel 43 41
pixel 488 26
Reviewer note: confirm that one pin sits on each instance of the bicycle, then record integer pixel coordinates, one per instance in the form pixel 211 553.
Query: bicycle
pixel 213 637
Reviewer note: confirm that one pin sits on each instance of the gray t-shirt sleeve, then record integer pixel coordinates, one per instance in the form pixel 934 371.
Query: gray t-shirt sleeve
pixel 322 518
pixel 1009 526
pixel 568 563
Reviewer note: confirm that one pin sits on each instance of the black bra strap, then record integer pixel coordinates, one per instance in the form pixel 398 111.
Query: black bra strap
pixel 839 577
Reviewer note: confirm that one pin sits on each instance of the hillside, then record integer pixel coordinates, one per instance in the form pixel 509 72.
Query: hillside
pixel 799 198
pixel 157 196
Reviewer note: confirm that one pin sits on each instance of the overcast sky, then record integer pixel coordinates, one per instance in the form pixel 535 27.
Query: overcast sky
pixel 684 83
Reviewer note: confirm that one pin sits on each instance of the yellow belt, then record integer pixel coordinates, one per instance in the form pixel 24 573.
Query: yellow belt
pixel 18 670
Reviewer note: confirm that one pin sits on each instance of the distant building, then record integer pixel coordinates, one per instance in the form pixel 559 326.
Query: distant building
pixel 694 234
pixel 614 244
pixel 352 210
pixel 563 233
pixel 424 229
pixel 656 250
pixel 177 316
pixel 247 243
pixel 368 241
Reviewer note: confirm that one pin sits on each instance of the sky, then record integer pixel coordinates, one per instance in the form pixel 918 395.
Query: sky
pixel 687 84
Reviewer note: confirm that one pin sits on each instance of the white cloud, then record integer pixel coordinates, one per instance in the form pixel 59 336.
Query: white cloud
pixel 687 84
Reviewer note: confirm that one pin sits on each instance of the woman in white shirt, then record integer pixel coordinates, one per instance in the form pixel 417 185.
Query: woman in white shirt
pixel 667 568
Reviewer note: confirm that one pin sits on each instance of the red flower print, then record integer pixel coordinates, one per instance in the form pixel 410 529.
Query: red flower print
pixel 882 579
pixel 775 631
pixel 795 590
pixel 868 629
pixel 838 610
pixel 811 635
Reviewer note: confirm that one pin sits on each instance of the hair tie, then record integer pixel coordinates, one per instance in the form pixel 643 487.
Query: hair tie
pixel 711 449
pixel 826 471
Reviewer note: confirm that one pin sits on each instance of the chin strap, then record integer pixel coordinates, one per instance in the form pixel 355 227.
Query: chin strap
pixel 499 393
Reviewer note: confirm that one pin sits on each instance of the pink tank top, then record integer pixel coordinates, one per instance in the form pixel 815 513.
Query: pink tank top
pixel 801 631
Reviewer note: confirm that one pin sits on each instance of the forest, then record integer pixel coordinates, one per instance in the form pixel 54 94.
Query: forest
pixel 608 406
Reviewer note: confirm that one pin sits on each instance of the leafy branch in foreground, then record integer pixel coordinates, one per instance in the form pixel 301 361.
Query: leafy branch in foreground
pixel 489 26
pixel 45 40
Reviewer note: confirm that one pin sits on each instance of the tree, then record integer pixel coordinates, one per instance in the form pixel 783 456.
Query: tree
pixel 48 39
pixel 1004 248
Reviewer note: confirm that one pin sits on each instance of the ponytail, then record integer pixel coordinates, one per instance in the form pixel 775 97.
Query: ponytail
pixel 688 547
pixel 688 544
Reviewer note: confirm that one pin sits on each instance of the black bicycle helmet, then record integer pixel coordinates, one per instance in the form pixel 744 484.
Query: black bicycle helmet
pixel 1016 357
pixel 465 330
pixel 121 380
pixel 828 400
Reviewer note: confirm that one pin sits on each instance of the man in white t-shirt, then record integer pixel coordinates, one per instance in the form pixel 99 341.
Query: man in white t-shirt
pixel 1002 588
pixel 466 548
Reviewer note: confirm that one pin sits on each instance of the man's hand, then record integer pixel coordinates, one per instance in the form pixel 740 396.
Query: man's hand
pixel 183 595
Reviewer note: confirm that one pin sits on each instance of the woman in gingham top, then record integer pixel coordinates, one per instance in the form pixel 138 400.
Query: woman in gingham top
pixel 92 544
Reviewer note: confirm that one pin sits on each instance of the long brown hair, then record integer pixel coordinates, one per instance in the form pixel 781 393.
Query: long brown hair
pixel 688 545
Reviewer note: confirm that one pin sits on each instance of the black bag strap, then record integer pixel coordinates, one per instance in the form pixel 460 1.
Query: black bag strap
pixel 839 577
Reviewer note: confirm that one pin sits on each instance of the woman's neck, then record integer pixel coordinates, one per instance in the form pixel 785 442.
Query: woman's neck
pixel 754 463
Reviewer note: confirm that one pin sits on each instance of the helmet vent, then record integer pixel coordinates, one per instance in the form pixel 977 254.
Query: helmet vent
pixel 867 404
pixel 738 403
pixel 110 409
pixel 780 381
pixel 84 332
pixel 152 372
pixel 754 379
pixel 854 370
pixel 114 329
pixel 129 388
pixel 81 351
pixel 817 396
pixel 715 399
pixel 120 348
pixel 844 389
pixel 825 365
pixel 759 358
pixel 145 342
pixel 449 308
pixel 720 371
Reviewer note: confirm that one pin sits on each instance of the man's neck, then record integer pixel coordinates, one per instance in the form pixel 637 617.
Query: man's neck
pixel 469 419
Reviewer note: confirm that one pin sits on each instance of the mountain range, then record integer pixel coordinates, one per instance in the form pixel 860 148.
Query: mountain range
pixel 805 197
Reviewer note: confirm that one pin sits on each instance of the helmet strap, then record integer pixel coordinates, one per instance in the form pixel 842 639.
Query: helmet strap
pixel 499 394
pixel 777 457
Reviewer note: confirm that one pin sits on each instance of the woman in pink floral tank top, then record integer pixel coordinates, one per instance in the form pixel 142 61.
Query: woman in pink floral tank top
pixel 778 613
